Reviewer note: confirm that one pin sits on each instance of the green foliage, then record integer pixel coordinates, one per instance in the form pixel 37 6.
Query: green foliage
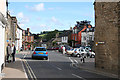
pixel 54 43
pixel 50 35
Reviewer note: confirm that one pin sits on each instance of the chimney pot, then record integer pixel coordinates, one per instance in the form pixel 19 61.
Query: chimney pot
pixel 28 29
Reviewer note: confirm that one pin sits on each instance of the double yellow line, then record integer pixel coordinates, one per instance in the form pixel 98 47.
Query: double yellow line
pixel 30 71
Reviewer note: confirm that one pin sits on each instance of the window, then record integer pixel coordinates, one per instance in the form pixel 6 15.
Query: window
pixel 75 38
pixel 26 38
pixel 31 38
pixel 40 49
pixel 90 38
pixel 66 38
pixel 75 31
pixel 84 38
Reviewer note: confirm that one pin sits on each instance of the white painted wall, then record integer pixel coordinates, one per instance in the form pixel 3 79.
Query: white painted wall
pixel 3 7
pixel 19 36
pixel 44 45
pixel 65 39
pixel 3 10
pixel 86 36
pixel 20 39
pixel 2 44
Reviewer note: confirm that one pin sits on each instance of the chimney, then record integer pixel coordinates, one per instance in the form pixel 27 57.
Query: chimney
pixel 70 28
pixel 28 29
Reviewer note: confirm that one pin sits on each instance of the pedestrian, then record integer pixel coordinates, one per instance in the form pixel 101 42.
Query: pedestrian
pixel 82 58
pixel 8 52
pixel 13 50
pixel 64 50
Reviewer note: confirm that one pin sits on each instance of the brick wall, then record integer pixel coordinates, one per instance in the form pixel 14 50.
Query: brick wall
pixel 107 22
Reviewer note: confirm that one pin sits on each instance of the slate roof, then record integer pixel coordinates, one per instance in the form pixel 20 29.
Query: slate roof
pixel 65 33
pixel 26 33
pixel 90 30
pixel 19 28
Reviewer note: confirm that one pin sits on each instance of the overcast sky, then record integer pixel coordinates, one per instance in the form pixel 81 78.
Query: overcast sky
pixel 46 16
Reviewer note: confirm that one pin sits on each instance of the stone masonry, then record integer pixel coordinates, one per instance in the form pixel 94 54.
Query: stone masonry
pixel 107 36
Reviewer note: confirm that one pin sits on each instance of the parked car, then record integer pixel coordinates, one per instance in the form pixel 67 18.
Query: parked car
pixel 55 48
pixel 60 48
pixel 40 52
pixel 50 48
pixel 92 54
pixel 80 52
pixel 70 52
pixel 76 52
pixel 67 47
pixel 87 48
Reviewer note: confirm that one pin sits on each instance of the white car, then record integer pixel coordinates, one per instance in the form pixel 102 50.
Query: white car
pixel 80 52
pixel 92 54
pixel 70 52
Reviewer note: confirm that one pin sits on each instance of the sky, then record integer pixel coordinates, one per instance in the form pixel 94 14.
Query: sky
pixel 47 16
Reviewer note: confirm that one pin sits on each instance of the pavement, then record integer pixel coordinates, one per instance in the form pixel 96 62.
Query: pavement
pixel 90 67
pixel 16 70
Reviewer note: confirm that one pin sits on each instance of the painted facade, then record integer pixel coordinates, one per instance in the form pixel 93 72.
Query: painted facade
pixel 77 30
pixel 19 39
pixel 27 40
pixel 3 24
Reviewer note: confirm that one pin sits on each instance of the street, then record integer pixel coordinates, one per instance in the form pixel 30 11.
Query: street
pixel 57 66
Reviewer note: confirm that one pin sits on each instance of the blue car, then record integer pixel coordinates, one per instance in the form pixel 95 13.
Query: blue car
pixel 40 52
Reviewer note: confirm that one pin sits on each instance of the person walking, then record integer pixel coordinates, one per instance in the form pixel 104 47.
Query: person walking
pixel 8 52
pixel 13 50
pixel 82 58
pixel 64 50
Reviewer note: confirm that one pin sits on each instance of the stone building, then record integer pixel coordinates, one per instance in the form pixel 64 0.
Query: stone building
pixel 13 29
pixel 107 36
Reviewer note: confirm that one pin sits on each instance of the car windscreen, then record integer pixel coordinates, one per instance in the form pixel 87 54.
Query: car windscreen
pixel 40 49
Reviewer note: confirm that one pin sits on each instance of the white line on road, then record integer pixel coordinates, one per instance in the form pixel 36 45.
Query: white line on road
pixel 31 71
pixel 59 68
pixel 28 70
pixel 71 60
pixel 78 76
pixel 24 69
pixel 76 61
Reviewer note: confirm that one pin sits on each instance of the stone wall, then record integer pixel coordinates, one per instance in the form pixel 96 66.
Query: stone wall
pixel 107 22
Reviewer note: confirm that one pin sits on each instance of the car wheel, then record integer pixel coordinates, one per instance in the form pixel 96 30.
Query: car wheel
pixel 46 58
pixel 33 57
pixel 78 55
pixel 72 54
pixel 92 56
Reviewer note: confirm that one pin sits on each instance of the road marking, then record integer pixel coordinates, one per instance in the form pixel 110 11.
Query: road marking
pixel 78 76
pixel 76 61
pixel 24 69
pixel 59 68
pixel 28 70
pixel 31 71
pixel 71 60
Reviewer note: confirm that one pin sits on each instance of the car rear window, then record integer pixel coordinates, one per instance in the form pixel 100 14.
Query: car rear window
pixel 40 49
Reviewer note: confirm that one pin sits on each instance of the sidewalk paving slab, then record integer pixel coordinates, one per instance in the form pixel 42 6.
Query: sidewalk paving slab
pixel 14 70
pixel 90 66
